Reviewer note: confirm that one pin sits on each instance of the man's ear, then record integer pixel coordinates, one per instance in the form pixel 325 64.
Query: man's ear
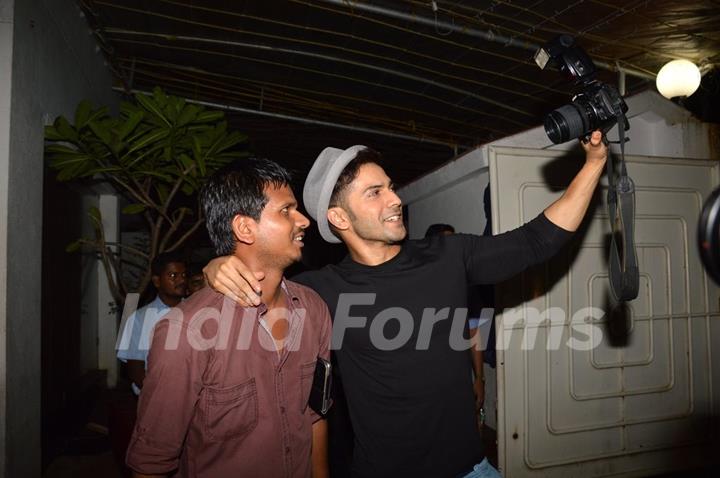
pixel 156 281
pixel 338 217
pixel 244 229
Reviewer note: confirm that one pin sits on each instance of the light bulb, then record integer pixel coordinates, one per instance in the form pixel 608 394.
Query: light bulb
pixel 678 78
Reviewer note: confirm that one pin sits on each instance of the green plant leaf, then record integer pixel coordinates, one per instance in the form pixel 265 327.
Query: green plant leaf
pixel 162 191
pixel 130 124
pixel 159 95
pixel 67 160
pixel 94 171
pixel 96 115
pixel 153 137
pixel 134 209
pixel 95 217
pixel 60 149
pixel 101 131
pixel 199 156
pixel 65 129
pixel 187 115
pixel 209 116
pixel 73 246
pixel 164 177
pixel 127 108
pixel 171 108
pixel 52 134
pixel 187 163
pixel 150 105
pixel 128 150
pixel 82 113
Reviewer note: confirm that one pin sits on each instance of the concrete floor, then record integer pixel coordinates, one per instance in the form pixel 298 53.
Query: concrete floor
pixel 84 466
pixel 91 456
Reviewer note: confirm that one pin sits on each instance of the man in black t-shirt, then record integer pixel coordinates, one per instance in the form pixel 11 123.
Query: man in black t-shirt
pixel 395 307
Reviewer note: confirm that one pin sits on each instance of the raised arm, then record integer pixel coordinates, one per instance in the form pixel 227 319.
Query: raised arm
pixel 492 259
pixel 568 211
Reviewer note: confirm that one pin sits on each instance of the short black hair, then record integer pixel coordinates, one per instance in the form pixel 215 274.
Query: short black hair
pixel 439 229
pixel 161 261
pixel 348 175
pixel 238 189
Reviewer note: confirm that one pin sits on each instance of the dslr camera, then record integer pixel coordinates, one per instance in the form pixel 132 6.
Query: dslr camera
pixel 596 106
pixel 709 235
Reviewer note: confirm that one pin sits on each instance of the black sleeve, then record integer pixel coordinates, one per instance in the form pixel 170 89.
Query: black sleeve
pixel 492 259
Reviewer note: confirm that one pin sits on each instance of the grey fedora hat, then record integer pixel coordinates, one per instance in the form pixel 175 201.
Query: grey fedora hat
pixel 320 183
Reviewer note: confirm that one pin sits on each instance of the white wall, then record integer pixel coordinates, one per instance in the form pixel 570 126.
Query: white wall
pixel 450 205
pixel 90 306
pixel 6 47
pixel 448 195
pixel 48 63
pixel 107 324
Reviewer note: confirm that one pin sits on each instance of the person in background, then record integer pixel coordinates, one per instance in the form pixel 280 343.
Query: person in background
pixel 169 277
pixel 439 229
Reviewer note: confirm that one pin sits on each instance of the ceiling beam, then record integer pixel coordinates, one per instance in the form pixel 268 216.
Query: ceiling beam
pixel 487 35
pixel 421 139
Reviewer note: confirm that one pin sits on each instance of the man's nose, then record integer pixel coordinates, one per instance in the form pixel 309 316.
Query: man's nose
pixel 302 221
pixel 394 200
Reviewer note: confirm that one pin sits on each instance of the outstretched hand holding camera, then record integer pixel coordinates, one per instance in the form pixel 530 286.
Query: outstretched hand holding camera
pixel 568 211
pixel 596 151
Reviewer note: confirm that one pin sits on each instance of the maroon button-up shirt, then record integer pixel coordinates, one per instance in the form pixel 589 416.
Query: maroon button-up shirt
pixel 219 399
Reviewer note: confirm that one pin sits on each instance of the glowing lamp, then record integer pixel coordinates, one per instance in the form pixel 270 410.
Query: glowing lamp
pixel 678 78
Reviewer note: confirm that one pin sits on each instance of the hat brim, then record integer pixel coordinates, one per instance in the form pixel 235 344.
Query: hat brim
pixel 329 179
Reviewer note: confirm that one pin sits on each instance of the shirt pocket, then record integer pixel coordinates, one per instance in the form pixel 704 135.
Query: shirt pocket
pixel 307 372
pixel 232 412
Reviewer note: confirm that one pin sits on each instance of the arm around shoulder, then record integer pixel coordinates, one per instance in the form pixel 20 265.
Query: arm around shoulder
pixel 569 211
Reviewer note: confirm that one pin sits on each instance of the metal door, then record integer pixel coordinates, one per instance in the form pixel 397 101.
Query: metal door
pixel 585 390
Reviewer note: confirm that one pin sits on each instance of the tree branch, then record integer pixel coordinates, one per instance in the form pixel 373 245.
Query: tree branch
pixel 173 227
pixel 102 249
pixel 117 267
pixel 176 186
pixel 131 249
pixel 146 201
pixel 187 234
pixel 155 238
pixel 145 281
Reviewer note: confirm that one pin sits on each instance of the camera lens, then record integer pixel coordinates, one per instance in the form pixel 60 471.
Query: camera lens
pixel 709 235
pixel 565 123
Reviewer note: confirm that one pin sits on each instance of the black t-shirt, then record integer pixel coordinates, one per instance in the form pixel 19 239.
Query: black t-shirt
pixel 412 405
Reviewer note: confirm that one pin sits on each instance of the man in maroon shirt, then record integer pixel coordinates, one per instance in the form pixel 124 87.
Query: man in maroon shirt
pixel 227 387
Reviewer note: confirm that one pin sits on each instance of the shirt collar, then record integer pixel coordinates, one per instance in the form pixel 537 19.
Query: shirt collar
pixel 290 293
pixel 159 304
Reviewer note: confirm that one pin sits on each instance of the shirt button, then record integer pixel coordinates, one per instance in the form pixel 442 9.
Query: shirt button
pixel 287 450
pixel 282 410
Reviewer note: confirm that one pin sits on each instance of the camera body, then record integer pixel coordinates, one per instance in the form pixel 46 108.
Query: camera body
pixel 597 105
pixel 709 235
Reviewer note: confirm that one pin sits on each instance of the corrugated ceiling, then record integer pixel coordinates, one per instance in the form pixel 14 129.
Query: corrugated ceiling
pixel 417 84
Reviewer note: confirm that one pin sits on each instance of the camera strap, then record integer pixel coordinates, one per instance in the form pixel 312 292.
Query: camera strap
pixel 623 269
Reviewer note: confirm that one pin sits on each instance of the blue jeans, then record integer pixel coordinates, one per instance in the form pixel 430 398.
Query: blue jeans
pixel 483 470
